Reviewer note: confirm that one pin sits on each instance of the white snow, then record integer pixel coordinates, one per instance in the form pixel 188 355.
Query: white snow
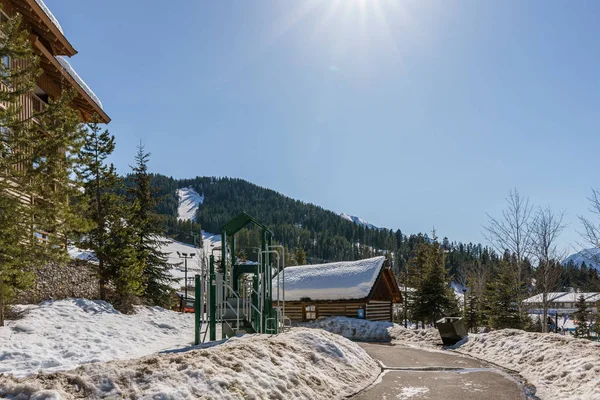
pixel 67 66
pixel 300 364
pixel 46 10
pixel 189 201
pixel 60 335
pixel 80 254
pixel 376 331
pixel 358 221
pixel 334 281
pixel 591 258
pixel 410 392
pixel 194 265
pixel 560 367
pixel 211 241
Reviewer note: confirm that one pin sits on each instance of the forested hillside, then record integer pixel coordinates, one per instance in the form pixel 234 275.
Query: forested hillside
pixel 322 234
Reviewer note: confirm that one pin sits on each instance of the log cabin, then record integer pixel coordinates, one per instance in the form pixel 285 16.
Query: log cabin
pixel 356 289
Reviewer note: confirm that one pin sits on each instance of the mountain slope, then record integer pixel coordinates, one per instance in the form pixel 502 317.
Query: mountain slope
pixel 358 221
pixel 591 258
pixel 209 202
pixel 189 201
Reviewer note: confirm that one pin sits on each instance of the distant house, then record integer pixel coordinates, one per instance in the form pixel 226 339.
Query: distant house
pixel 562 303
pixel 357 289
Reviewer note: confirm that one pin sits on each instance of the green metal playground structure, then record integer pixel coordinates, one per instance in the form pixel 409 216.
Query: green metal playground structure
pixel 239 296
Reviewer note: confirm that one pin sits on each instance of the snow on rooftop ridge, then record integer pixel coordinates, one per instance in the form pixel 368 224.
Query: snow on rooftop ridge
pixel 46 10
pixel 189 201
pixel 563 297
pixel 345 280
pixel 67 66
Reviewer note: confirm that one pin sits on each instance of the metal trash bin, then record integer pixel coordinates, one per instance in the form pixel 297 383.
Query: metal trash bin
pixel 452 330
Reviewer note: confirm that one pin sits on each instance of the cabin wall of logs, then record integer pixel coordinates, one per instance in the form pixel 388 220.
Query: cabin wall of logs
pixel 303 311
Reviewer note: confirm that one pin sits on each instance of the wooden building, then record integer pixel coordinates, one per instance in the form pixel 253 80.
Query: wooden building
pixel 356 289
pixel 53 49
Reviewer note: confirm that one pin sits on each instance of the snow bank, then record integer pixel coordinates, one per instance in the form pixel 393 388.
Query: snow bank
pixel 81 254
pixel 558 366
pixel 60 335
pixel 332 281
pixel 300 364
pixel 377 331
pixel 189 201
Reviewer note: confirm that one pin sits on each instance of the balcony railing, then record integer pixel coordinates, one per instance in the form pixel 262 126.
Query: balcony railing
pixel 37 105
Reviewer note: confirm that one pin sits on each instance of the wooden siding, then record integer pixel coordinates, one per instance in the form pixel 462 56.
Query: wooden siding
pixel 379 310
pixel 295 310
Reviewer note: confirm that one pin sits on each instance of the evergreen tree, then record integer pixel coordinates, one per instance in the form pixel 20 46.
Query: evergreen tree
pixel 148 230
pixel 110 236
pixel 502 296
pixel 50 176
pixel 581 318
pixel 16 241
pixel 123 262
pixel 472 313
pixel 433 297
pixel 300 256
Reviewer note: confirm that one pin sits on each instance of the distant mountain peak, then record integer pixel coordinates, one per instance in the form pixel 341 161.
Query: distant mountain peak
pixel 358 221
pixel 591 258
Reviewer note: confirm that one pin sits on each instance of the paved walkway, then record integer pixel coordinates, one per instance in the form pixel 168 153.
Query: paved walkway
pixel 411 374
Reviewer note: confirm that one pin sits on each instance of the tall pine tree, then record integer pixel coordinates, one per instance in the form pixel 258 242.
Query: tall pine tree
pixel 581 317
pixel 17 79
pixel 149 230
pixel 110 235
pixel 502 298
pixel 433 297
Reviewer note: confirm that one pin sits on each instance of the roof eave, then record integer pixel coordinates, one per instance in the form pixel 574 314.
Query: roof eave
pixel 103 117
pixel 67 47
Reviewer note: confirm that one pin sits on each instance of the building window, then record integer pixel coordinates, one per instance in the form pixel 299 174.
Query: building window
pixel 310 312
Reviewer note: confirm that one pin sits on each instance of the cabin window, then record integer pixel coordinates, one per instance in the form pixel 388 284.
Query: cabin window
pixel 310 312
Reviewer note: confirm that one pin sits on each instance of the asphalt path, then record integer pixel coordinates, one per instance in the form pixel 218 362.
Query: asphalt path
pixel 412 374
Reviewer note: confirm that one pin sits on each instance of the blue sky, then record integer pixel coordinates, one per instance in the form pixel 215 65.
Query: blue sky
pixel 410 114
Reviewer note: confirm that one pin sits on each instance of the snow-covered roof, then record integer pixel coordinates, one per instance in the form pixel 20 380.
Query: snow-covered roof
pixel 67 66
pixel 344 280
pixel 564 297
pixel 539 297
pixel 45 8
pixel 573 297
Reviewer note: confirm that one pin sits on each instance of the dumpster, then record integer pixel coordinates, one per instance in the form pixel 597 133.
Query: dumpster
pixel 452 330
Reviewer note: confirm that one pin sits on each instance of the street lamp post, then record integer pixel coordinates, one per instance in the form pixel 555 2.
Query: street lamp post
pixel 185 257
